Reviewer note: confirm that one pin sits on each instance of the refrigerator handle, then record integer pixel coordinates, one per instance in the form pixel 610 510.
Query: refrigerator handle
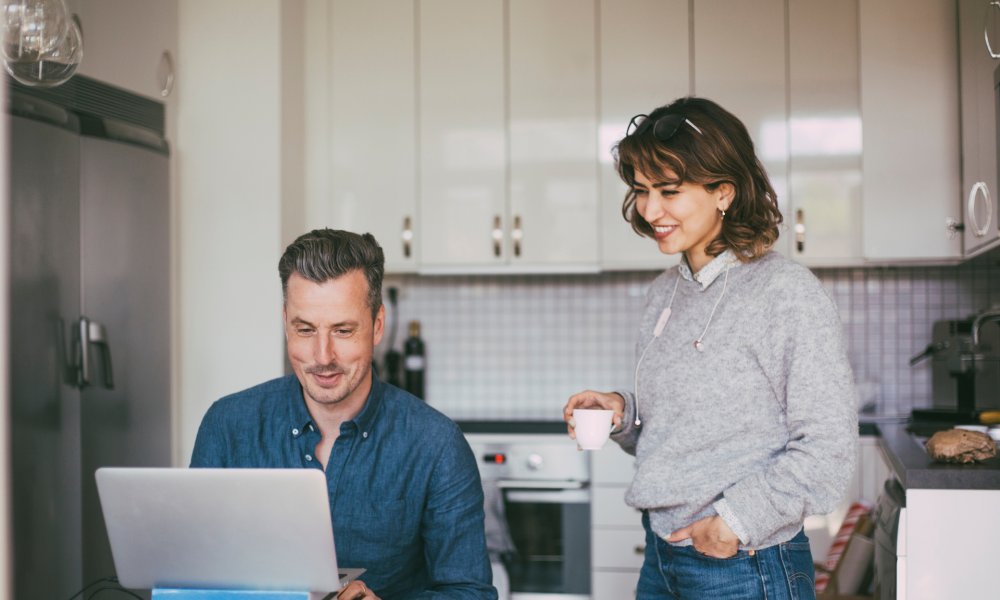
pixel 92 332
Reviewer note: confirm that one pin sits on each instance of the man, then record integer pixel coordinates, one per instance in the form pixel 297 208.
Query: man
pixel 405 494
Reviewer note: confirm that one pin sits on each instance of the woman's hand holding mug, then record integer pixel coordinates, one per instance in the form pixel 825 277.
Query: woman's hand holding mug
pixel 592 399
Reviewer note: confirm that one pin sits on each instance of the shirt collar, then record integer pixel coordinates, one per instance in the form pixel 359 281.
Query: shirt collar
pixel 710 272
pixel 364 419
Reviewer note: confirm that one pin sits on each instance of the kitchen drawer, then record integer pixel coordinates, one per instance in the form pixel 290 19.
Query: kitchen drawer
pixel 608 508
pixel 611 465
pixel 618 548
pixel 614 585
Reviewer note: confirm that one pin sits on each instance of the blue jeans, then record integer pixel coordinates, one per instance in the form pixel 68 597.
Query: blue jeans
pixel 780 572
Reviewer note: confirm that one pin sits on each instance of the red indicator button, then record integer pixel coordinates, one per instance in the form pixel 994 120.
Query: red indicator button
pixel 497 459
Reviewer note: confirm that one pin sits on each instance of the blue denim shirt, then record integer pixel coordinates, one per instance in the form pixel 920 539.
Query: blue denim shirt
pixel 405 494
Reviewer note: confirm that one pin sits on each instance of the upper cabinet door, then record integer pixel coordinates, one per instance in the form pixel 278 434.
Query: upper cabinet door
pixel 824 127
pixel 131 43
pixel 463 133
pixel 553 133
pixel 739 62
pixel 372 118
pixel 909 99
pixel 644 63
pixel 977 22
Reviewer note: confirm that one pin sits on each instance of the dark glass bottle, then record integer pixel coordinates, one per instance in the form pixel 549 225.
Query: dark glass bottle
pixel 392 363
pixel 414 361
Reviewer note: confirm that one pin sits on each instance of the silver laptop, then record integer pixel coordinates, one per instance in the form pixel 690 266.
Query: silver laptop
pixel 266 529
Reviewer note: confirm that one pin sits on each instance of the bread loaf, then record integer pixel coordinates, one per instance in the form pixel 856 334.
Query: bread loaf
pixel 961 446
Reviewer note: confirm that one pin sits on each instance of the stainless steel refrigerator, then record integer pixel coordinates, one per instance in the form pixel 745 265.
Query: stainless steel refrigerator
pixel 89 318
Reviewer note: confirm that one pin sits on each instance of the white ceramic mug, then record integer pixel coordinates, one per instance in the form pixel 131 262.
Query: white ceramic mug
pixel 593 425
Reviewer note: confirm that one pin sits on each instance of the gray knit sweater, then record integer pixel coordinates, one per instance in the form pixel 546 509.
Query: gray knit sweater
pixel 761 426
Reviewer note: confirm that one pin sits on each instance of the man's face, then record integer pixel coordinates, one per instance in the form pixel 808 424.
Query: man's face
pixel 331 335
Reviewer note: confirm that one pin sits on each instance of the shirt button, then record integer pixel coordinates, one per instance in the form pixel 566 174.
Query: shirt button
pixel 309 457
pixel 365 435
pixel 295 431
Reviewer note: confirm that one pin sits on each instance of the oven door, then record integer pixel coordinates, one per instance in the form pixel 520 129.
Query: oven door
pixel 549 524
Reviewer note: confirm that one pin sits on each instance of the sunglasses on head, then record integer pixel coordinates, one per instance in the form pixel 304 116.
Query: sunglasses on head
pixel 664 127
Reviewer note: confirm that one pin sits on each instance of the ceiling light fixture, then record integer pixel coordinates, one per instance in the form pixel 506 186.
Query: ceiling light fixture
pixel 42 45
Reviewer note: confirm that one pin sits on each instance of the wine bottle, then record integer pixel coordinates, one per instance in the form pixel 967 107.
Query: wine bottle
pixel 414 361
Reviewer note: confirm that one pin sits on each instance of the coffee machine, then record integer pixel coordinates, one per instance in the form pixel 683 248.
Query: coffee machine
pixel 965 359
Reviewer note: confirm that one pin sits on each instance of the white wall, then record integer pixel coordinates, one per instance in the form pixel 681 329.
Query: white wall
pixel 229 166
pixel 6 534
pixel 293 120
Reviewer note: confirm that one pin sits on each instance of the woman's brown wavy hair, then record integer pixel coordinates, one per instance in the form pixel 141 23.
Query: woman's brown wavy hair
pixel 721 153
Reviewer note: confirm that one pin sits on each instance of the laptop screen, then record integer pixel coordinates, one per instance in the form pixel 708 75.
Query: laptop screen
pixel 265 529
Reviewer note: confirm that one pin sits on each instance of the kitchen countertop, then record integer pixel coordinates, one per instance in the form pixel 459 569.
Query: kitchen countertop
pixel 904 452
pixel 916 470
pixel 511 426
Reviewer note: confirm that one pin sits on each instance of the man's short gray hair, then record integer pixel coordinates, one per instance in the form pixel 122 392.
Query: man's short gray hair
pixel 325 254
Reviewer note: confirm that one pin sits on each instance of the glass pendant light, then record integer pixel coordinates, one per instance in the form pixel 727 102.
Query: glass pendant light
pixel 41 46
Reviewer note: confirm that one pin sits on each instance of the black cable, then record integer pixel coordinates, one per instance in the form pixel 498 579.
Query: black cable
pixel 115 589
pixel 393 295
pixel 111 579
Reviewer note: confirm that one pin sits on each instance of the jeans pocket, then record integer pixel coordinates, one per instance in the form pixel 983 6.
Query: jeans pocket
pixel 691 551
pixel 797 559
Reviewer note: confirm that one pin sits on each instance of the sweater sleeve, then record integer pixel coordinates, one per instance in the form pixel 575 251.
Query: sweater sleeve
pixel 804 356
pixel 628 436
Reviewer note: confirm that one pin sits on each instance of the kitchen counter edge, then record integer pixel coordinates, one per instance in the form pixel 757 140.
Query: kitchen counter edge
pixel 915 469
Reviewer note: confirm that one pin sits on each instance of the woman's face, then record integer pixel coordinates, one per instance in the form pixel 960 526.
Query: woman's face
pixel 685 216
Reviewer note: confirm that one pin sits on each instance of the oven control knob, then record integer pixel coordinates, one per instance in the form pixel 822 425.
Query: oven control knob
pixel 535 461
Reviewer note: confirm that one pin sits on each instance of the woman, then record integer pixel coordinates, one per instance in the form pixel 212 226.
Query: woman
pixel 743 417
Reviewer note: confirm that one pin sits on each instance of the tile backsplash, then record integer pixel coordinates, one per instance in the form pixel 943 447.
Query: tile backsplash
pixel 516 347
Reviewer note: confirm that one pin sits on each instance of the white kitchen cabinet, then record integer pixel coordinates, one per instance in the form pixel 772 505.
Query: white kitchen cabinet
pixel 644 63
pixel 739 62
pixel 977 21
pixel 909 99
pixel 463 137
pixel 612 466
pixel 508 115
pixel 614 585
pixel 466 149
pixel 609 509
pixel 552 92
pixel 619 549
pixel 824 126
pixel 618 540
pixel 873 470
pixel 129 43
pixel 949 544
pixel 372 115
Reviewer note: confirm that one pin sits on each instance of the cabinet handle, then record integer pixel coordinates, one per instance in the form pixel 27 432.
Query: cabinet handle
pixel 979 190
pixel 497 235
pixel 640 550
pixel 166 73
pixel 986 28
pixel 407 236
pixel 800 230
pixel 92 332
pixel 517 235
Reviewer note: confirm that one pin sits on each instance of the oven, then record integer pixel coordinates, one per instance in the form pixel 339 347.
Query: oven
pixel 537 491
